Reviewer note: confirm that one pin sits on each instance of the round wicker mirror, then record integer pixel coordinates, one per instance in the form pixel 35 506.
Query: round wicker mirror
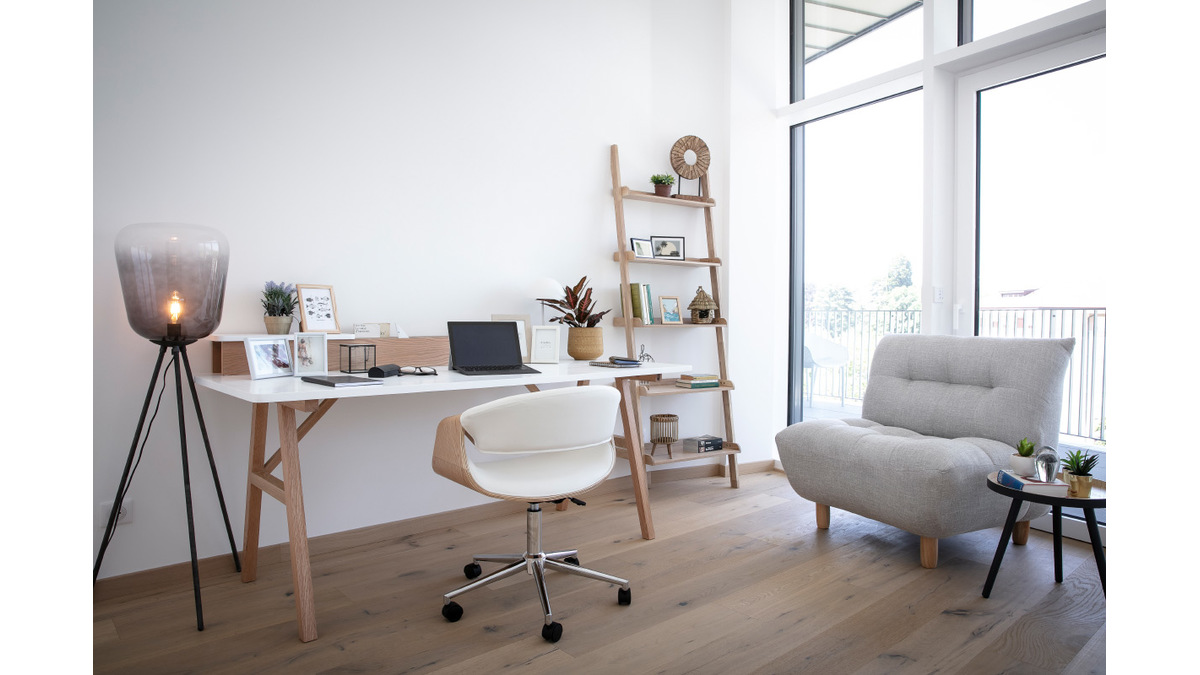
pixel 679 161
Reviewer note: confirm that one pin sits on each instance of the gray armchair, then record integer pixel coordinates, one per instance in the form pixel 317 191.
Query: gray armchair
pixel 939 414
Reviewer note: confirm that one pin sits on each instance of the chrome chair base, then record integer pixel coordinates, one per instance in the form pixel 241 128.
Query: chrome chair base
pixel 535 562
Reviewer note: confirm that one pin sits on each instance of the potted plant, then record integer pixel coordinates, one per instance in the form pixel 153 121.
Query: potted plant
pixel 1077 472
pixel 585 339
pixel 1021 461
pixel 279 302
pixel 662 184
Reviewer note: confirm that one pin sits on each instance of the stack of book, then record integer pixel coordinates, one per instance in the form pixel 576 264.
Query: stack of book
pixel 700 381
pixel 1055 488
pixel 702 444
pixel 639 295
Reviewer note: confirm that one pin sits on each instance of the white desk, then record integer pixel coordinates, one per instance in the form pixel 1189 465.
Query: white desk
pixel 291 394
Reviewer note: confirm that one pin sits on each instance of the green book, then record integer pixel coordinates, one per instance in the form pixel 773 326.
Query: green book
pixel 635 294
pixel 647 303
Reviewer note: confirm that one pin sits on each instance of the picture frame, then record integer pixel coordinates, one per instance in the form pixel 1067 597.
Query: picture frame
pixel 642 248
pixel 544 345
pixel 312 354
pixel 269 356
pixel 318 309
pixel 667 248
pixel 524 331
pixel 669 308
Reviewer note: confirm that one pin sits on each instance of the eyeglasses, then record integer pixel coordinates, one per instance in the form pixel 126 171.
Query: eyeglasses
pixel 418 370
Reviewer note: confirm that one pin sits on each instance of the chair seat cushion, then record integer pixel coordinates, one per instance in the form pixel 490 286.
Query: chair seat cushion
pixel 544 476
pixel 926 485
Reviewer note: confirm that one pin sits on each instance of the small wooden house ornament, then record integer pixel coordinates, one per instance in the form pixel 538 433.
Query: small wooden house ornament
pixel 704 309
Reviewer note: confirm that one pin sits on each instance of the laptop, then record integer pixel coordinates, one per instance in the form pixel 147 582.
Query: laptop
pixel 486 348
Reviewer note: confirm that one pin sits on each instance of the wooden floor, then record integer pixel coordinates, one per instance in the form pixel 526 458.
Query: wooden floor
pixel 738 581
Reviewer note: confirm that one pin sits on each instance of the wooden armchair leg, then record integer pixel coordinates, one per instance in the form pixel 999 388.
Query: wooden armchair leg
pixel 822 516
pixel 1020 533
pixel 928 552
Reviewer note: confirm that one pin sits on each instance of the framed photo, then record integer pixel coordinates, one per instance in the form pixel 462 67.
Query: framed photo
pixel 318 309
pixel 312 355
pixel 641 248
pixel 524 332
pixel 269 356
pixel 545 344
pixel 669 304
pixel 667 248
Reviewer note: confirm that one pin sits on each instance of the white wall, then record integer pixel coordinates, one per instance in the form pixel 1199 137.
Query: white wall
pixel 430 161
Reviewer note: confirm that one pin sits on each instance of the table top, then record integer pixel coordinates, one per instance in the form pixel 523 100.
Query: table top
pixel 292 388
pixel 1095 501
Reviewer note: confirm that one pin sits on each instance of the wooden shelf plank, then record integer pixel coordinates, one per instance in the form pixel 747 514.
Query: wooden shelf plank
pixel 640 196
pixel 668 388
pixel 619 322
pixel 680 455
pixel 690 262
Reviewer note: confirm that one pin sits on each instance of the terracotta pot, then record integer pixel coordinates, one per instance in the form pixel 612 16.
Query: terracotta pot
pixel 585 344
pixel 278 325
pixel 1022 466
pixel 662 190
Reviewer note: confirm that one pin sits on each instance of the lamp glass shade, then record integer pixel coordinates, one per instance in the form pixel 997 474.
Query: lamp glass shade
pixel 172 279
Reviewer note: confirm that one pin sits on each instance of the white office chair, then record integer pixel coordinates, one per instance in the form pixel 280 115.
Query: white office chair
pixel 561 445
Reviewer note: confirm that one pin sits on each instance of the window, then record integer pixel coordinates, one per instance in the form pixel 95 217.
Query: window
pixel 848 40
pixel 982 18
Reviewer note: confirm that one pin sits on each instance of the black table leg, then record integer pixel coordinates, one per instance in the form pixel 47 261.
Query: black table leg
pixel 1097 546
pixel 1008 528
pixel 1057 511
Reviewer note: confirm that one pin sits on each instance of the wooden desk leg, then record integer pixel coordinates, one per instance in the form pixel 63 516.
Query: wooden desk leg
pixel 1004 535
pixel 258 450
pixel 289 450
pixel 1097 546
pixel 633 443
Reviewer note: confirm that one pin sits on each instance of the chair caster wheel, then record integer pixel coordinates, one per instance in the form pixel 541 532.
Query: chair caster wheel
pixel 552 631
pixel 452 611
pixel 472 570
pixel 624 596
pixel 571 560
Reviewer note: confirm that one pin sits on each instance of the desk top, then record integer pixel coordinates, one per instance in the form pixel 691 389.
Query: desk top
pixel 285 389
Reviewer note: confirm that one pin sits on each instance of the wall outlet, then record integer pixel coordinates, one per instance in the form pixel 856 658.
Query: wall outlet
pixel 123 518
pixel 939 294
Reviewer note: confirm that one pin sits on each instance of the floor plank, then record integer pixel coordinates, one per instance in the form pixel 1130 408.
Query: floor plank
pixel 738 581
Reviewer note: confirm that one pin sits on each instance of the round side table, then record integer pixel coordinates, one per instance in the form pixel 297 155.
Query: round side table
pixel 1088 504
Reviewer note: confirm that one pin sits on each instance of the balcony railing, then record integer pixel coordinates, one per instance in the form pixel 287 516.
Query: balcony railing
pixel 1085 388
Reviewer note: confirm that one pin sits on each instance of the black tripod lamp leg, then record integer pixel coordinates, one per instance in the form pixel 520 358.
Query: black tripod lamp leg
pixel 212 464
pixel 187 490
pixel 124 484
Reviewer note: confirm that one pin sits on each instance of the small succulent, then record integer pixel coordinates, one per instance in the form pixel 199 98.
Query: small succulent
pixel 1025 448
pixel 279 299
pixel 576 306
pixel 1080 462
pixel 662 179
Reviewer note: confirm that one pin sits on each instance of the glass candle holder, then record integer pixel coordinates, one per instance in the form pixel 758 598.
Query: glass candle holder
pixel 357 358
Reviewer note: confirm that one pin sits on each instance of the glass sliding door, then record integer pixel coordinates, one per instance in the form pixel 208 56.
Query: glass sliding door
pixel 858 214
pixel 1042 230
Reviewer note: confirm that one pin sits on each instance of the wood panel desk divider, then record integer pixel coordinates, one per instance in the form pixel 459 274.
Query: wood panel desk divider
pixel 229 357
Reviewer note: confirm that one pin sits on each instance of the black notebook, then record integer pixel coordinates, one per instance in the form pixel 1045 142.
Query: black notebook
pixel 339 380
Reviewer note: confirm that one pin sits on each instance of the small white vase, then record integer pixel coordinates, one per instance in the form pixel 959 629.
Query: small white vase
pixel 1022 466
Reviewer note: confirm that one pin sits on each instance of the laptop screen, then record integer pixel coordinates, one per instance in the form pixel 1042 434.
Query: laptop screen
pixel 484 343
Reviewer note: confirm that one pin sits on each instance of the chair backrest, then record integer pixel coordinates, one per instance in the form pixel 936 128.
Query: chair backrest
pixel 555 420
pixel 1004 389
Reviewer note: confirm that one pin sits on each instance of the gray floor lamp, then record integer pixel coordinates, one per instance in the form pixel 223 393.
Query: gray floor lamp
pixel 173 282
